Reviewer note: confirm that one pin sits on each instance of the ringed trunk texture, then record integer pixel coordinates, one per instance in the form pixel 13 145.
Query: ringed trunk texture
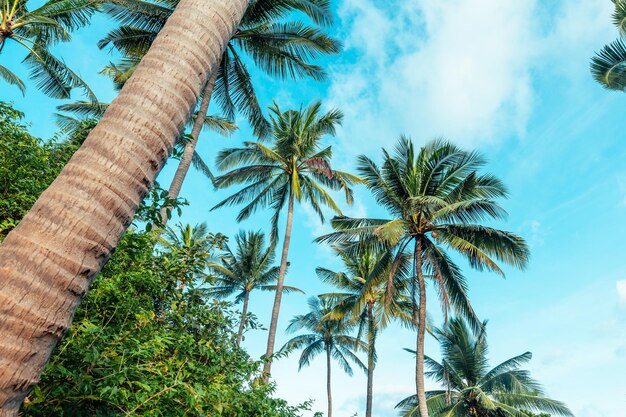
pixel 190 147
pixel 271 339
pixel 328 379
pixel 49 260
pixel 244 313
pixel 421 330
pixel 371 351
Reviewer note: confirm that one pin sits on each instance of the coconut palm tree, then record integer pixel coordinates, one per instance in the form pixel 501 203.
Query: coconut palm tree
pixel 244 270
pixel 325 335
pixel 48 261
pixel 36 31
pixel 267 36
pixel 437 201
pixel 194 246
pixel 79 115
pixel 608 67
pixel 470 388
pixel 294 169
pixel 360 297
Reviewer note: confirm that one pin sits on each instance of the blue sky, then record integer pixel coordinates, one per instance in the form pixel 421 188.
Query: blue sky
pixel 509 78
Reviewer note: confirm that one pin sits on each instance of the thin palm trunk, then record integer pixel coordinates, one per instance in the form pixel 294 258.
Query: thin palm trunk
pixel 49 260
pixel 421 331
pixel 370 359
pixel 190 147
pixel 244 313
pixel 271 339
pixel 328 378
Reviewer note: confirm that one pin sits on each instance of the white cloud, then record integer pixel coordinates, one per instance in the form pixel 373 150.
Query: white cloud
pixel 621 290
pixel 455 68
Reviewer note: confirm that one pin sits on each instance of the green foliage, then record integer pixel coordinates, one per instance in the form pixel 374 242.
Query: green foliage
pixel 325 335
pixel 437 201
pixel 471 388
pixel 266 36
pixel 27 165
pixel 608 66
pixel 37 29
pixel 296 166
pixel 141 345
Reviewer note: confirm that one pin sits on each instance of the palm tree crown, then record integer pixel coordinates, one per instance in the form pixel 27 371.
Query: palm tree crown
pixel 36 31
pixel 325 335
pixel 194 246
pixel 249 267
pixel 279 47
pixel 437 200
pixel 470 388
pixel 608 66
pixel 295 166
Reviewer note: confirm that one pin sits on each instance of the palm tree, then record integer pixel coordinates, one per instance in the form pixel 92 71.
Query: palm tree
pixel 48 261
pixel 326 335
pixel 293 169
pixel 193 246
pixel 608 67
pixel 36 31
pixel 437 200
pixel 470 388
pixel 362 299
pixel 244 270
pixel 281 48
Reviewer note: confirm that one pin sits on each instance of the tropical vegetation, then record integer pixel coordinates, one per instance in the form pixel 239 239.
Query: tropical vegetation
pixel 241 271
pixel 437 200
pixel 327 336
pixel 267 36
pixel 295 168
pixel 608 66
pixel 109 311
pixel 470 388
pixel 360 298
pixel 35 28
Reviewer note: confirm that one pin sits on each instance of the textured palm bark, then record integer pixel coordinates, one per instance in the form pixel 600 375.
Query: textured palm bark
pixel 190 147
pixel 271 339
pixel 371 340
pixel 328 379
pixel 421 331
pixel 48 262
pixel 244 313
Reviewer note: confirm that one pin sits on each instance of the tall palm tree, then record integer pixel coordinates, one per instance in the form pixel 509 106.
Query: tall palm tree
pixel 279 46
pixel 470 388
pixel 294 169
pixel 244 270
pixel 608 67
pixel 48 261
pixel 326 335
pixel 437 201
pixel 361 297
pixel 36 31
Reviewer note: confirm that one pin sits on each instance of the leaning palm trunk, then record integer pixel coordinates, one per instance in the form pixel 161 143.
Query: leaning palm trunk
pixel 370 360
pixel 271 339
pixel 48 262
pixel 328 386
pixel 421 331
pixel 244 313
pixel 190 147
